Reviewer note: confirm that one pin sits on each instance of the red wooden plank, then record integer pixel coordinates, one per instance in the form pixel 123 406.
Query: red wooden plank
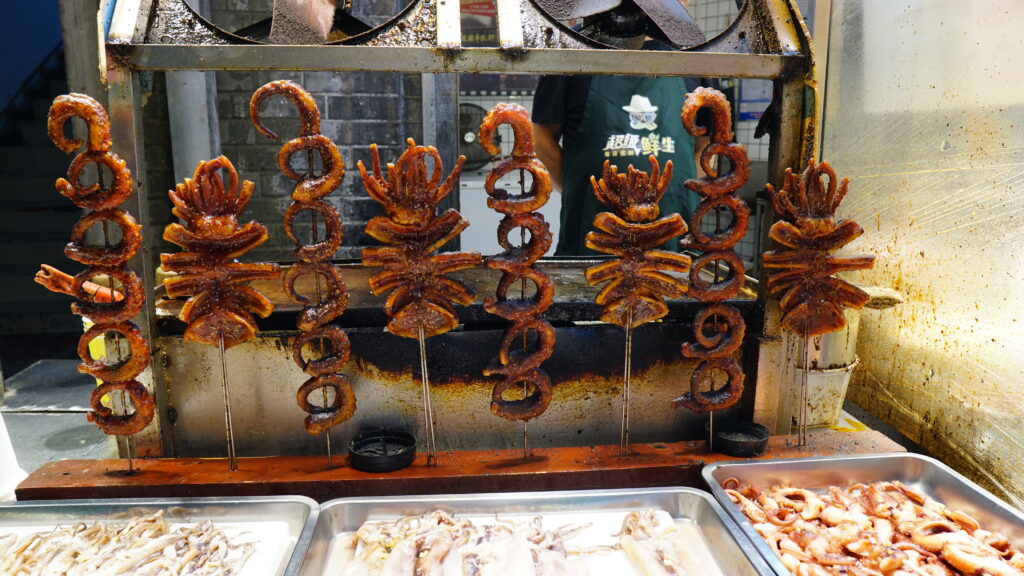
pixel 676 464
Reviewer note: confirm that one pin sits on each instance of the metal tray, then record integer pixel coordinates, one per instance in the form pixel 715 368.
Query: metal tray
pixel 927 474
pixel 282 524
pixel 735 556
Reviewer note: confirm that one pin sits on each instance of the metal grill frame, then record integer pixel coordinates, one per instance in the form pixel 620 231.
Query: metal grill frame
pixel 767 40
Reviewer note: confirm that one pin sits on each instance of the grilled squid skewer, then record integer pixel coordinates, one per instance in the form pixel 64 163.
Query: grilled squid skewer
pixel 112 308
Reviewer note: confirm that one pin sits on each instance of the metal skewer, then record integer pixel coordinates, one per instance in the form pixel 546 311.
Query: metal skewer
pixel 627 369
pixel 802 428
pixel 522 296
pixel 427 410
pixel 314 237
pixel 129 438
pixel 232 463
pixel 714 323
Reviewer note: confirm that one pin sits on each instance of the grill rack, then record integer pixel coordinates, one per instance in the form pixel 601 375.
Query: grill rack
pixel 767 40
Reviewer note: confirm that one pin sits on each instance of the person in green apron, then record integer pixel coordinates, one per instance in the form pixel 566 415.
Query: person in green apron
pixel 622 119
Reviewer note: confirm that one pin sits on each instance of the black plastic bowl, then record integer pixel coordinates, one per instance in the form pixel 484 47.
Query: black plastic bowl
pixel 739 438
pixel 381 450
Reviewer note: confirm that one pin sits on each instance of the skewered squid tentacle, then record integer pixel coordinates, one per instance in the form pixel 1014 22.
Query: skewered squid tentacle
pixel 519 357
pixel 718 274
pixel 322 418
pixel 123 251
pixel 633 195
pixel 515 116
pixel 81 106
pixel 309 114
pixel 421 295
pixel 119 371
pixel 637 280
pixel 314 319
pixel 721 114
pixel 109 307
pixel 813 300
pixel 220 305
pixel 311 189
pixel 122 424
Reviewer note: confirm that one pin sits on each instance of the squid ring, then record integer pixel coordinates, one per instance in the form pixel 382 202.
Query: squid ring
pixel 718 240
pixel 506 203
pixel 309 114
pixel 310 189
pixel 782 516
pixel 715 185
pixel 108 312
pixel 333 303
pixel 521 309
pixel 706 291
pixel 535 247
pixel 721 114
pixel 720 344
pixel 124 370
pixel 731 483
pixel 532 405
pixel 322 418
pixel 521 361
pixel 122 424
pixel 323 249
pixel 67 106
pixel 719 399
pixel 522 130
pixel 131 239
pixel 93 196
pixel 329 363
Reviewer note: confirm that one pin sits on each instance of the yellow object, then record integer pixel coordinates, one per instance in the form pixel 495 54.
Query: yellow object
pixel 848 423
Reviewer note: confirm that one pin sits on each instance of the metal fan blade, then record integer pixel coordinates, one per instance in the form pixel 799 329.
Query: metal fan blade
pixel 673 20
pixel 301 21
pixel 569 9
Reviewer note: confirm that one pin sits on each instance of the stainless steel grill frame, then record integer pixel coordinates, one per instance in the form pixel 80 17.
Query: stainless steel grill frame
pixel 767 40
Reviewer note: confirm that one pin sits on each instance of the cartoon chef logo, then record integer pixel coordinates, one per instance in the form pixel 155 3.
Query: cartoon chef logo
pixel 641 113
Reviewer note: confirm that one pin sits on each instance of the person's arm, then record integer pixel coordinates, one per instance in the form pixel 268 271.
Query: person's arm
pixel 546 139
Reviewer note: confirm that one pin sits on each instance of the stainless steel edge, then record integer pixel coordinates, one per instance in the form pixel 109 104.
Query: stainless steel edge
pixel 347 514
pixel 510 24
pixel 472 60
pixel 305 536
pixel 449 25
pixel 933 477
pixel 258 507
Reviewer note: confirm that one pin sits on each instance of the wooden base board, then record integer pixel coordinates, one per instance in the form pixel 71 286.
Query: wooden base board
pixel 575 468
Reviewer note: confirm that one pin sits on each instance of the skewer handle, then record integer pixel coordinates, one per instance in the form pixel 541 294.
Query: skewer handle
pixel 232 462
pixel 427 409
pixel 627 369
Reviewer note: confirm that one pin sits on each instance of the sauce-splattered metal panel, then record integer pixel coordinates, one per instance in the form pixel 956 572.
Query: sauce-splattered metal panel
pixel 586 370
pixel 925 114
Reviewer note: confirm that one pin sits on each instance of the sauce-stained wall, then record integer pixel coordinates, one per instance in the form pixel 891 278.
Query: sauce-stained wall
pixel 924 114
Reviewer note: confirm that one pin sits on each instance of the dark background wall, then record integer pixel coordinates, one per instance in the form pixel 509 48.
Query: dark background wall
pixel 32 29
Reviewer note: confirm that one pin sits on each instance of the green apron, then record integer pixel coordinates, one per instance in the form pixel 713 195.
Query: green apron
pixel 608 133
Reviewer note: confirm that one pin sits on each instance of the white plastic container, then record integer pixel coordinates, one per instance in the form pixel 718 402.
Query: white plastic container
pixel 10 473
pixel 826 391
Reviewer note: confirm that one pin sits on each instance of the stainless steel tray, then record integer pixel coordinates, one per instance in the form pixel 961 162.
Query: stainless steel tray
pixel 735 556
pixel 282 524
pixel 927 474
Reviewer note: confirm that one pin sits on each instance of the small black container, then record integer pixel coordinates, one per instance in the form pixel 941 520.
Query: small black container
pixel 381 450
pixel 739 438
